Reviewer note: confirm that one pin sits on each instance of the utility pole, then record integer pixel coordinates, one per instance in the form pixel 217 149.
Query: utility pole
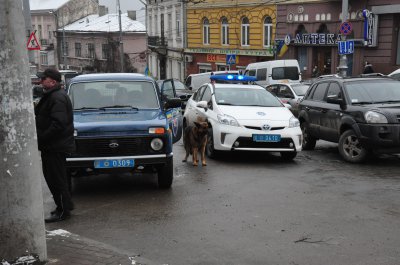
pixel 343 58
pixel 22 231
pixel 63 43
pixel 121 47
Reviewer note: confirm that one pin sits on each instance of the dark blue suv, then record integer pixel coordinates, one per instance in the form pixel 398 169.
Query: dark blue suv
pixel 123 122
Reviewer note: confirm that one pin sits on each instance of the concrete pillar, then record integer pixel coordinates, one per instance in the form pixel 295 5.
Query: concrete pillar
pixel 22 231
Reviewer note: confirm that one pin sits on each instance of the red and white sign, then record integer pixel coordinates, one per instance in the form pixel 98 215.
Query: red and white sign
pixel 33 44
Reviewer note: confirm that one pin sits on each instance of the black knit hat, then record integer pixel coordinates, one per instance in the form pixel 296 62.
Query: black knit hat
pixel 52 73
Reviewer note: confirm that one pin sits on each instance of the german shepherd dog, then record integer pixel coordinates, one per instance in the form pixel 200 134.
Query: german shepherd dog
pixel 195 140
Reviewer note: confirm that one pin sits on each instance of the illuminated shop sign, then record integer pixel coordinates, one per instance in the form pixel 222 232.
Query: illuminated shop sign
pixel 317 39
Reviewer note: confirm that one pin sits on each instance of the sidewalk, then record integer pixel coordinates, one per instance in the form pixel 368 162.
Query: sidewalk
pixel 64 248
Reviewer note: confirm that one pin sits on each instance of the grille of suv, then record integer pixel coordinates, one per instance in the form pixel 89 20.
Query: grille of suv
pixel 115 146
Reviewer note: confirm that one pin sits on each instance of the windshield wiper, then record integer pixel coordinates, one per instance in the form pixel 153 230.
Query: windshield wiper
pixel 118 107
pixel 362 102
pixel 87 108
pixel 225 103
pixel 388 101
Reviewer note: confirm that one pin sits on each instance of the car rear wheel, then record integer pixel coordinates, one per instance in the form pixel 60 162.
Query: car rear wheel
pixel 308 141
pixel 350 147
pixel 210 151
pixel 166 174
pixel 288 156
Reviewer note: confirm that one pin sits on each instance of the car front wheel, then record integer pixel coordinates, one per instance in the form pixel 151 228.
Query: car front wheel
pixel 166 174
pixel 308 141
pixel 350 147
pixel 210 151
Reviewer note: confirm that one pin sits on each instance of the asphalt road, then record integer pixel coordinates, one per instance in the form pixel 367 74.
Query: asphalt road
pixel 248 209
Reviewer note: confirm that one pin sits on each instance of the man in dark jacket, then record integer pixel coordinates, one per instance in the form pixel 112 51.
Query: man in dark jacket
pixel 55 132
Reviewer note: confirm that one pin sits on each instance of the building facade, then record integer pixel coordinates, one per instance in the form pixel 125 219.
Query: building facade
pixel 315 27
pixel 48 18
pixel 218 29
pixel 93 43
pixel 166 39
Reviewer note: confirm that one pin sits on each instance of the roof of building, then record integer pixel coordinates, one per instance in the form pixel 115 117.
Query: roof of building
pixel 46 4
pixel 106 23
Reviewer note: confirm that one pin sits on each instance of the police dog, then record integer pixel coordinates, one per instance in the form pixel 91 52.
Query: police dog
pixel 195 140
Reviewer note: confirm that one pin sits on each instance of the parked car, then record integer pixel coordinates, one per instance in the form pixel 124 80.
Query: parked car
pixel 244 118
pixel 290 93
pixel 180 88
pixel 362 115
pixel 194 81
pixel 123 122
pixel 275 71
pixel 395 74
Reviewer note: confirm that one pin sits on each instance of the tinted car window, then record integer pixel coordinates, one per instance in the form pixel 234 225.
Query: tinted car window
pixel 273 89
pixel 284 92
pixel 291 73
pixel 319 92
pixel 373 91
pixel 262 74
pixel 334 89
pixel 300 90
pixel 168 89
pixel 251 73
pixel 197 95
pixel 188 81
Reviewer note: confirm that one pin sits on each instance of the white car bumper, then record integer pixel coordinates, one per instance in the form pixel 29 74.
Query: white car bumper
pixel 241 139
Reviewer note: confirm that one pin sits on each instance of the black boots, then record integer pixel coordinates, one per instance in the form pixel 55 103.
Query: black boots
pixel 57 216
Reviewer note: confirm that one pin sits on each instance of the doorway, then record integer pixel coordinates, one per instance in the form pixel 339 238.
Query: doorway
pixel 322 58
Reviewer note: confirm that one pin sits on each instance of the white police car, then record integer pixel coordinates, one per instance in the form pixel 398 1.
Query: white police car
pixel 244 118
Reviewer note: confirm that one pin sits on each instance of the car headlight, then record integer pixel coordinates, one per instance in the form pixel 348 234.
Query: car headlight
pixel 228 120
pixel 294 122
pixel 156 144
pixel 375 117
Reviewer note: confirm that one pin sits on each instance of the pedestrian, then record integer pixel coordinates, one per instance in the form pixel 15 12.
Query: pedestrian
pixel 55 133
pixel 368 68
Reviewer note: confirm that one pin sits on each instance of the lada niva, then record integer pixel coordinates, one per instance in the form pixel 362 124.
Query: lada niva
pixel 123 122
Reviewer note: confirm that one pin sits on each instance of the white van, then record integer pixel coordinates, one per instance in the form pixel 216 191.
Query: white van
pixel 194 81
pixel 272 72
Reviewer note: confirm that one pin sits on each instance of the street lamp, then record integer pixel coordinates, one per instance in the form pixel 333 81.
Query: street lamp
pixel 64 54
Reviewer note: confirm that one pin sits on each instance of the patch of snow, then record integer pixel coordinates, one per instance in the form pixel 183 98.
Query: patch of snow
pixel 58 232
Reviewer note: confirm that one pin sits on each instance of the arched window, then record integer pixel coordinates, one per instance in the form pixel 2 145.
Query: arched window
pixel 267 31
pixel 224 31
pixel 245 31
pixel 317 17
pixel 206 31
pixel 300 29
pixel 328 17
pixel 323 28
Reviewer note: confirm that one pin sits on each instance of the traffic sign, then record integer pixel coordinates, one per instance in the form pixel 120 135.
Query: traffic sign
pixel 346 47
pixel 346 28
pixel 33 44
pixel 231 59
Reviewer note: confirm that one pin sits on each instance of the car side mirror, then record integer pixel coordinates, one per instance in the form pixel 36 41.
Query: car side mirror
pixel 173 103
pixel 287 105
pixel 334 99
pixel 202 104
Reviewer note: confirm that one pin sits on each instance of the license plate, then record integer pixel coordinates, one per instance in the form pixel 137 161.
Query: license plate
pixel 266 137
pixel 114 163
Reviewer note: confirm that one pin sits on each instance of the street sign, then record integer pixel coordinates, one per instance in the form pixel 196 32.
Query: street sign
pixel 33 44
pixel 346 47
pixel 346 28
pixel 231 59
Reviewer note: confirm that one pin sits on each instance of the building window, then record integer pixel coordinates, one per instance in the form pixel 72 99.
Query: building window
pixel 267 31
pixel 78 49
pixel 49 31
pixel 204 68
pixel 206 32
pixel 43 58
pixel 178 28
pixel 224 31
pixel 91 53
pixel 40 31
pixel 323 17
pixel 317 17
pixel 105 51
pixel 328 16
pixel 65 48
pixel 398 48
pixel 169 29
pixel 245 31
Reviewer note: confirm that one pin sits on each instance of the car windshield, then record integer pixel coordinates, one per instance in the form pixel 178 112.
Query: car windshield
pixel 108 94
pixel 373 91
pixel 244 96
pixel 179 85
pixel 300 89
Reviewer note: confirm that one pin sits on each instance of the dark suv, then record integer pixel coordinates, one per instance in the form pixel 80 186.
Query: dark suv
pixel 362 115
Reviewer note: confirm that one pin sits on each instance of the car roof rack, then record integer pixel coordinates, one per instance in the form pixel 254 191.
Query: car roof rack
pixel 373 75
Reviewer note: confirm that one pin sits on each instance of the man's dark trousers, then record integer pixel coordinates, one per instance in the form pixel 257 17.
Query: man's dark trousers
pixel 55 173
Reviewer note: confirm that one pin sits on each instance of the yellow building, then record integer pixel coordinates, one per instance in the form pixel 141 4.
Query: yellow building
pixel 217 28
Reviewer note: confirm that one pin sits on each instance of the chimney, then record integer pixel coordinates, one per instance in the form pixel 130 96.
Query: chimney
pixel 103 10
pixel 132 14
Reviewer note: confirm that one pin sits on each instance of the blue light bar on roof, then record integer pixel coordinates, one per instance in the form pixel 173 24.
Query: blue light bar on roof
pixel 227 78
